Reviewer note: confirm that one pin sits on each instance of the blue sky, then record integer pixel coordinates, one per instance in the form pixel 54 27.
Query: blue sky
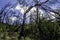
pixel 4 2
pixel 53 4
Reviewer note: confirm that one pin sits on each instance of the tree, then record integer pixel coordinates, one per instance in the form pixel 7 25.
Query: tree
pixel 41 29
pixel 40 5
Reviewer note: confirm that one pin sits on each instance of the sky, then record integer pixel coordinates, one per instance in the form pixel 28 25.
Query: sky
pixel 53 4
pixel 29 2
pixel 4 2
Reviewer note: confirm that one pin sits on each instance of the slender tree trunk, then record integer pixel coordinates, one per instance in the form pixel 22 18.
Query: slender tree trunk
pixel 22 33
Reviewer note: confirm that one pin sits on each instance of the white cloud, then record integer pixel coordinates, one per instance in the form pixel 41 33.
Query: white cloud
pixel 21 9
pixel 52 15
pixel 18 7
pixel 33 9
pixel 41 11
pixel 13 18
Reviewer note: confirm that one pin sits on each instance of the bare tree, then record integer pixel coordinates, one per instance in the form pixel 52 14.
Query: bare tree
pixel 36 5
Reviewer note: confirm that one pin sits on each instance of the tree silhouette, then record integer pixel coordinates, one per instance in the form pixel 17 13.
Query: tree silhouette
pixel 37 29
pixel 22 33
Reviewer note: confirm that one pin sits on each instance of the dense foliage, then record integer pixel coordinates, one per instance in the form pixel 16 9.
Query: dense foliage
pixel 44 30
pixel 40 29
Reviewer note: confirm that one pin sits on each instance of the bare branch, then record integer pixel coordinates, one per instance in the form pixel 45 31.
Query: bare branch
pixel 51 10
pixel 45 2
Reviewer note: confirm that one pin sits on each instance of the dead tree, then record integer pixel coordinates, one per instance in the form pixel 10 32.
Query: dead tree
pixel 22 33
